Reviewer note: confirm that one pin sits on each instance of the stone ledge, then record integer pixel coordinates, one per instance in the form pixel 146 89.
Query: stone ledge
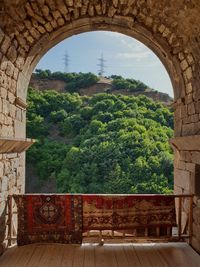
pixel 15 145
pixel 190 143
pixel 20 103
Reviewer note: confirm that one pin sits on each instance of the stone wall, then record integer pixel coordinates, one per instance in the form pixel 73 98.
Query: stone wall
pixel 187 173
pixel 12 125
pixel 30 28
pixel 12 181
pixel 187 178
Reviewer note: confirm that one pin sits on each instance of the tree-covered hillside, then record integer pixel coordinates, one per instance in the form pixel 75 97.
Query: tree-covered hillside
pixel 103 144
pixel 76 81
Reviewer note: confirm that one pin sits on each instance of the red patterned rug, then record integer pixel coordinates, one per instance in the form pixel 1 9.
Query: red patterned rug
pixel 49 218
pixel 101 212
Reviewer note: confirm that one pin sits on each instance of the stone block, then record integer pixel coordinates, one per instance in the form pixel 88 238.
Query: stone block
pixel 182 179
pixel 6 44
pixel 197 107
pixel 196 128
pixel 181 165
pixel 60 21
pixel 11 156
pixel 185 156
pixel 11 97
pixel 191 108
pixel 183 111
pixel 12 111
pixel 4 183
pixel 111 11
pixel 10 69
pixel 161 28
pixel 2 118
pixel 19 129
pixel 194 118
pixel 8 120
pixel 4 62
pixel 1 169
pixel 1 35
pixel 7 168
pixel 12 53
pixel 188 129
pixel 192 183
pixel 190 167
pixel 4 131
pixel 54 23
pixel 166 32
pixel 189 99
pixel 184 64
pixel 18 114
pixel 1 106
pixel 178 190
pixel 48 27
pixel 41 29
pixel 195 157
pixel 188 74
pixel 69 2
pixel 5 106
pixel 190 59
pixel 178 128
pixel 22 85
pixel 20 60
pixel 45 10
pixel 3 92
pixel 13 87
pixel 189 88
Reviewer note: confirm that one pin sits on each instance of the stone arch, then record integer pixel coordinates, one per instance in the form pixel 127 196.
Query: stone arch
pixel 138 32
pixel 29 28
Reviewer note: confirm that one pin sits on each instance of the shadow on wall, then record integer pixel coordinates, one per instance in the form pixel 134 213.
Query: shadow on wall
pixel 3 228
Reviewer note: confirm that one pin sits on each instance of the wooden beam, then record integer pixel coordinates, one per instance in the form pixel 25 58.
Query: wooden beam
pixel 14 145
pixel 179 217
pixel 190 219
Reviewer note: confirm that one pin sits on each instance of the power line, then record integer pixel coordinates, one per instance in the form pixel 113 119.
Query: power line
pixel 102 66
pixel 66 62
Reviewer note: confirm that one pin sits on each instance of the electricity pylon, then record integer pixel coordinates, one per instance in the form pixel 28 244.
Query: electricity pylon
pixel 102 66
pixel 66 62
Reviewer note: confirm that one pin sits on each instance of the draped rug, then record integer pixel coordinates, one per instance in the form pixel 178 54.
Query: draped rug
pixel 49 218
pixel 110 212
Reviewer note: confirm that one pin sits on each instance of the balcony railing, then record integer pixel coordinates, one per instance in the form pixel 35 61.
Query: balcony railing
pixel 181 230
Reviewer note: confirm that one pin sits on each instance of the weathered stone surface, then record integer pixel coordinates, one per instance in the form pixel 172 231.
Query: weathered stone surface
pixel 168 29
pixel 6 44
pixel 191 109
pixel 188 143
pixel 182 179
pixel 1 169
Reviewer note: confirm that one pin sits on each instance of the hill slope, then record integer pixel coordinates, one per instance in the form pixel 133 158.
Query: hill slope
pixel 57 81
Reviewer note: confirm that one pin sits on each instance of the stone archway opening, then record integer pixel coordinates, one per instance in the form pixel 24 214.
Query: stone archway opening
pixel 30 171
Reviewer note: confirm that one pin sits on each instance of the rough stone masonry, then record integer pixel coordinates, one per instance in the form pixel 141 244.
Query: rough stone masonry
pixel 29 28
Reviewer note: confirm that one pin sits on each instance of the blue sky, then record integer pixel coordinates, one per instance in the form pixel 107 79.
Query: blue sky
pixel 124 56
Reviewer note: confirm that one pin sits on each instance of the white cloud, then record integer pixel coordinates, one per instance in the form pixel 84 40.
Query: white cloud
pixel 133 55
pixel 134 49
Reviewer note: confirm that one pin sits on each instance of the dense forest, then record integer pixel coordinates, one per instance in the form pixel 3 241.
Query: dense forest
pixel 100 144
